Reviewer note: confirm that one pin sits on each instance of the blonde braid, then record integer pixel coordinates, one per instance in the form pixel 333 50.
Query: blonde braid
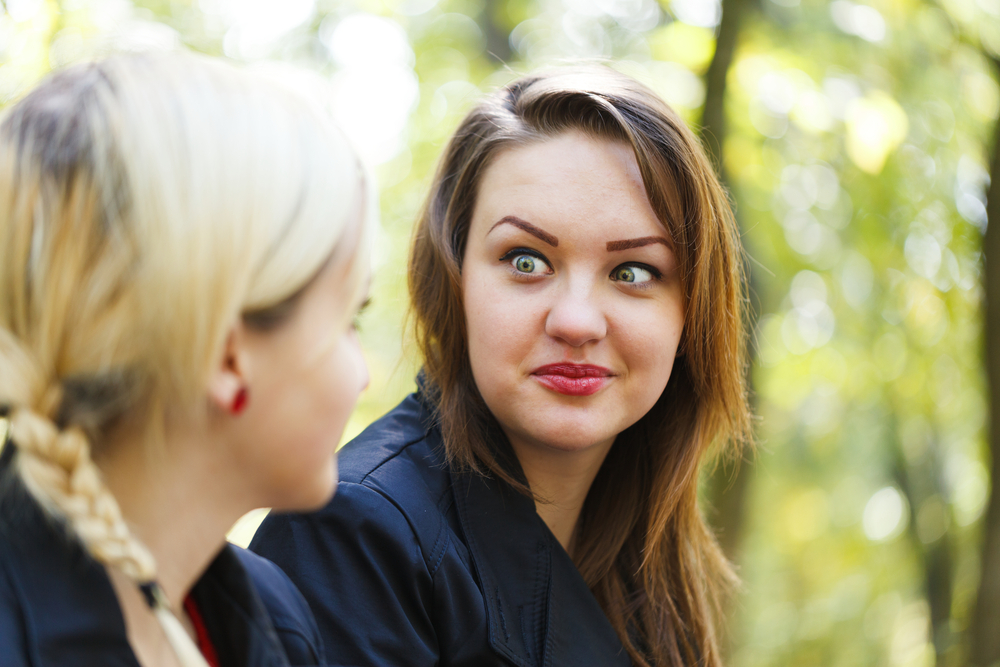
pixel 58 471
pixel 57 468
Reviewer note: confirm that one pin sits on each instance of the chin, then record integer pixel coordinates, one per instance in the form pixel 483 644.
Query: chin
pixel 310 495
pixel 568 437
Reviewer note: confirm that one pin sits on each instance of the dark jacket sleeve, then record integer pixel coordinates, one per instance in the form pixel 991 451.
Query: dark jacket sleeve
pixel 288 610
pixel 13 652
pixel 361 568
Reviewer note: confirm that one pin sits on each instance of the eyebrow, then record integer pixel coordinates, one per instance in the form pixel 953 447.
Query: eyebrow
pixel 626 244
pixel 528 227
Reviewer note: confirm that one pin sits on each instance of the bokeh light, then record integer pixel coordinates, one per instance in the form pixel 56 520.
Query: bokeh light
pixel 857 150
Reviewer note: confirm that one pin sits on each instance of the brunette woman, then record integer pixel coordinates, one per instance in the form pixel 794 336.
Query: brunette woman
pixel 181 258
pixel 578 298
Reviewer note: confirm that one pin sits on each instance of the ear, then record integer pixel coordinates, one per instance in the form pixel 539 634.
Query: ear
pixel 232 370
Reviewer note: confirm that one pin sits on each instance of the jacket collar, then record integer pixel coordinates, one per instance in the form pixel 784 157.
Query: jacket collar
pixel 235 617
pixel 539 610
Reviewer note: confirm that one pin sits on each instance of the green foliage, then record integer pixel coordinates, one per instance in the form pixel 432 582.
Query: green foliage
pixel 857 152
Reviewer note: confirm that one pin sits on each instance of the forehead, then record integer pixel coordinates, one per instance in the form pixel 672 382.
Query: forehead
pixel 569 180
pixel 346 276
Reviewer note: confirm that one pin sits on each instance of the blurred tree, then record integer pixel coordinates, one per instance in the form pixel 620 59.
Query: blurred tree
pixel 731 479
pixel 856 137
pixel 984 636
pixel 497 31
pixel 713 119
pixel 923 486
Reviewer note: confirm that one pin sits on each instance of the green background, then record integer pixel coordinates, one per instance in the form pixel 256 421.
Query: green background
pixel 857 149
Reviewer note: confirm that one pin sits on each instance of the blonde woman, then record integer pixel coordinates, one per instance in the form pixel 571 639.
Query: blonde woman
pixel 181 260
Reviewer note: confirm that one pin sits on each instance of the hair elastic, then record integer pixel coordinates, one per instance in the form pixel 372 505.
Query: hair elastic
pixel 184 647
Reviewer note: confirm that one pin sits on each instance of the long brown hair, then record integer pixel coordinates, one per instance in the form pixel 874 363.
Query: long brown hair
pixel 642 547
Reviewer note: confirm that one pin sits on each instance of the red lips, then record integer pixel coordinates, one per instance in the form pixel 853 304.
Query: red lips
pixel 573 379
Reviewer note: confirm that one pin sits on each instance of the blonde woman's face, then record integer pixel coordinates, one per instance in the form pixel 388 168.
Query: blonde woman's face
pixel 304 379
pixel 573 305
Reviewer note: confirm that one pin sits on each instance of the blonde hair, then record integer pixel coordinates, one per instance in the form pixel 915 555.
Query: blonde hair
pixel 147 201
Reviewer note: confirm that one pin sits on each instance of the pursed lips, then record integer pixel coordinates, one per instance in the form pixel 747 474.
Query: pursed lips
pixel 573 379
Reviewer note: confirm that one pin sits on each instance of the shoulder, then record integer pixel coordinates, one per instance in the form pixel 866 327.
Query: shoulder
pixel 32 578
pixel 13 631
pixel 288 610
pixel 283 600
pixel 402 443
pixel 52 593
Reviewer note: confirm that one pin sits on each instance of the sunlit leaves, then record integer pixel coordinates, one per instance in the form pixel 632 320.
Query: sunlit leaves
pixel 876 125
pixel 856 156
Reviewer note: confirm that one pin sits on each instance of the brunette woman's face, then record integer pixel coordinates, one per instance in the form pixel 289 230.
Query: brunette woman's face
pixel 573 303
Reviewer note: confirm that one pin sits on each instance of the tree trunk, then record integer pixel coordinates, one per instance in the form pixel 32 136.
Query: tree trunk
pixel 713 117
pixel 984 644
pixel 920 483
pixel 497 36
pixel 729 489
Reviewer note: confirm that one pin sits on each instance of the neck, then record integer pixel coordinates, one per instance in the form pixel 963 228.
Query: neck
pixel 560 480
pixel 179 501
pixel 175 502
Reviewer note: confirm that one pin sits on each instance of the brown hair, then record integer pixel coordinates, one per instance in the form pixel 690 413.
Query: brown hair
pixel 642 547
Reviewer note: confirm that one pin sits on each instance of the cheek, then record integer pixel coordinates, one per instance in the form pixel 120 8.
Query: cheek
pixel 318 399
pixel 479 300
pixel 500 325
pixel 345 376
pixel 315 416
pixel 650 339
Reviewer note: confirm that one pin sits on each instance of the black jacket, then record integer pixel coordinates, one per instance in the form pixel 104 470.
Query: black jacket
pixel 412 564
pixel 58 608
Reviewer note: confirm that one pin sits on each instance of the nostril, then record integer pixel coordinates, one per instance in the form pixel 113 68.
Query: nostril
pixel 576 323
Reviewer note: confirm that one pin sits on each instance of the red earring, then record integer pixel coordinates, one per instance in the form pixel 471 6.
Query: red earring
pixel 239 401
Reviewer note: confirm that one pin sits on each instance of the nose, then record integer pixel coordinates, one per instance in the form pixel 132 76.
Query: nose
pixel 364 377
pixel 576 317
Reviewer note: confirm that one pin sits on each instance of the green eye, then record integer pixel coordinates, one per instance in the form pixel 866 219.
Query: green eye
pixel 524 263
pixel 625 274
pixel 631 274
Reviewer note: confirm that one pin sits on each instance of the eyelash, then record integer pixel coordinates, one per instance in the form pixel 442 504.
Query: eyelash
pixel 511 254
pixel 653 271
pixel 356 322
